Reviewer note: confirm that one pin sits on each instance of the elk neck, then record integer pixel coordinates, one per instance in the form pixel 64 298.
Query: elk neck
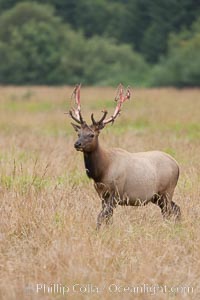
pixel 96 163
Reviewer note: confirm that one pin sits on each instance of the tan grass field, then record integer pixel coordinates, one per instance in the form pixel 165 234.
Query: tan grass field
pixel 48 240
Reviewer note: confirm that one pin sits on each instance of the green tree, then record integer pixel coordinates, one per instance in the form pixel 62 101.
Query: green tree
pixel 35 46
pixel 107 63
pixel 181 66
pixel 149 23
pixel 143 24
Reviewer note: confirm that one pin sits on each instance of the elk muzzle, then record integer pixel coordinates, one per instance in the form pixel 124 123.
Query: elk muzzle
pixel 78 145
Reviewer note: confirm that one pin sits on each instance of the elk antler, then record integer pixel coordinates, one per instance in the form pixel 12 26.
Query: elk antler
pixel 101 120
pixel 121 97
pixel 75 113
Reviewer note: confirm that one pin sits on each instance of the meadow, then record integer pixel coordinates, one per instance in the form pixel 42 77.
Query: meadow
pixel 48 242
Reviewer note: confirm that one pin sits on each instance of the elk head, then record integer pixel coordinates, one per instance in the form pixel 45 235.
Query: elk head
pixel 88 134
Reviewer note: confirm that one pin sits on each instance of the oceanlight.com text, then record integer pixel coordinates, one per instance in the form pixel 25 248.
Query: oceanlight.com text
pixel 113 288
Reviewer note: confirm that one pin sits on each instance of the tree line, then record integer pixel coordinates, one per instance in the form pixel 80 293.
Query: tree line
pixel 102 42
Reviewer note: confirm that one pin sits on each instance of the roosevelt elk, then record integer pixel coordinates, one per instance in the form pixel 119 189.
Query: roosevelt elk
pixel 121 177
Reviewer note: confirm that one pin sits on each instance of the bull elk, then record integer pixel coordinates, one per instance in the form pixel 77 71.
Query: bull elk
pixel 121 177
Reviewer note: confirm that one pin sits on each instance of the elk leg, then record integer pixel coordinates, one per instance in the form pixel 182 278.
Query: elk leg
pixel 106 212
pixel 164 206
pixel 168 207
pixel 176 211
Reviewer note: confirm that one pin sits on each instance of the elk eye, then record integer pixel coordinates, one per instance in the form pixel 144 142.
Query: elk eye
pixel 91 135
pixel 79 135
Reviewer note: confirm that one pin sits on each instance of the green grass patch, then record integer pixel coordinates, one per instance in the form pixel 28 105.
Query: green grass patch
pixel 56 127
pixel 72 178
pixel 193 131
pixel 26 106
pixel 124 126
pixel 170 151
pixel 189 130
pixel 23 183
pixel 58 220
pixel 102 104
pixel 54 130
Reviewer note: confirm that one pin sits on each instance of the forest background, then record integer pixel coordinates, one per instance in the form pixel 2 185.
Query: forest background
pixel 102 42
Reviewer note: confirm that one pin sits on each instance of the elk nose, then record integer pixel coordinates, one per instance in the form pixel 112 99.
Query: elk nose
pixel 77 145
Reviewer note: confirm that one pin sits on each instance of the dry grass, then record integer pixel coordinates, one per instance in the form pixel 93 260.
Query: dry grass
pixel 49 207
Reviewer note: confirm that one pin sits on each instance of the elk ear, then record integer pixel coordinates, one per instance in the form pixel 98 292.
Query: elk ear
pixel 76 127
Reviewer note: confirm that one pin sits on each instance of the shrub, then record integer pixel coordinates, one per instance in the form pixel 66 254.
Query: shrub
pixel 36 47
pixel 181 66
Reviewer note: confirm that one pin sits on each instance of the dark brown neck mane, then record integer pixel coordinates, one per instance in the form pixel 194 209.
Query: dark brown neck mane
pixel 96 163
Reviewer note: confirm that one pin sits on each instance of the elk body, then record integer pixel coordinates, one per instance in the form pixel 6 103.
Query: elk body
pixel 121 177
